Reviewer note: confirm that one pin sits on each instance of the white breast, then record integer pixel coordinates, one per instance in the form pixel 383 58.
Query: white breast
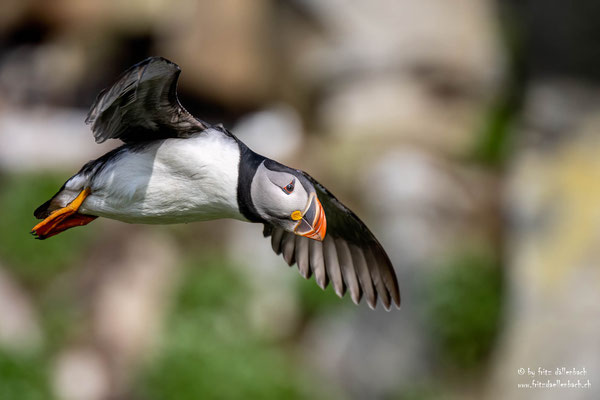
pixel 176 180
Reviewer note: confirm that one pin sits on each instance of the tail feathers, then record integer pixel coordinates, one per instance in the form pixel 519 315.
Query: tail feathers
pixel 46 209
pixel 58 201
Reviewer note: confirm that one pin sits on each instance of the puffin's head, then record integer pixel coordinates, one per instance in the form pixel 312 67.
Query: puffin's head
pixel 285 197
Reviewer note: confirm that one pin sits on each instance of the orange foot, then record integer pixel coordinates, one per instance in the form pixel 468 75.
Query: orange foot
pixel 64 218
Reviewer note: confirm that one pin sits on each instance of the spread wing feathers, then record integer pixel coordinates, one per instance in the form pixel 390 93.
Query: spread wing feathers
pixel 350 256
pixel 142 105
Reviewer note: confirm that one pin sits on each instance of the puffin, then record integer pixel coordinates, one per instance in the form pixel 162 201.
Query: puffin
pixel 175 168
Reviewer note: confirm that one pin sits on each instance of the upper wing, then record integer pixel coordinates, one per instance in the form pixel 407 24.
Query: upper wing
pixel 350 256
pixel 142 105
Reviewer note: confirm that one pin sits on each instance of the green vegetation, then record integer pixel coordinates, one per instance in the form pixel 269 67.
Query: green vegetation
pixel 493 148
pixel 497 134
pixel 23 377
pixel 424 390
pixel 209 350
pixel 316 300
pixel 34 261
pixel 463 308
pixel 36 264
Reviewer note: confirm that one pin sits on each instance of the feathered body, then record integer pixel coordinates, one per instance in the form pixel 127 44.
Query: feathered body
pixel 162 182
pixel 176 168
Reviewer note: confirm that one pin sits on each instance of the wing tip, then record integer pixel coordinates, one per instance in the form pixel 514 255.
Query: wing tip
pixel 390 302
pixel 94 111
pixel 42 211
pixel 320 282
pixel 289 260
pixel 372 304
pixel 394 290
pixel 397 300
pixel 385 284
pixel 355 298
pixel 304 272
pixel 393 298
pixel 152 60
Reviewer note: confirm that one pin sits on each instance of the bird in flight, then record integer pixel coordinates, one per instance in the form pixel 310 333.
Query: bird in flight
pixel 175 168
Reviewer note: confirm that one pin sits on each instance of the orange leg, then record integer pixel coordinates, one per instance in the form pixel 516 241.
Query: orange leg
pixel 64 218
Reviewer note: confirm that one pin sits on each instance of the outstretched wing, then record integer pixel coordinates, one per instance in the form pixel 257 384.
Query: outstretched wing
pixel 350 256
pixel 142 105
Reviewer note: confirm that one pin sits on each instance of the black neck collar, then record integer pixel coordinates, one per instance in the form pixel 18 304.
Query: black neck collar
pixel 249 162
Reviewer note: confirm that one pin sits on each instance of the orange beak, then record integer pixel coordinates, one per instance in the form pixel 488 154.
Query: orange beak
pixel 313 223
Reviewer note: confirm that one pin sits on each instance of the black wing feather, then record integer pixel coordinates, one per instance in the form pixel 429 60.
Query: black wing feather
pixel 350 256
pixel 142 105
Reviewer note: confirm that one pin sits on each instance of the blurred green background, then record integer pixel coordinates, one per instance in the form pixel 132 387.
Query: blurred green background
pixel 464 133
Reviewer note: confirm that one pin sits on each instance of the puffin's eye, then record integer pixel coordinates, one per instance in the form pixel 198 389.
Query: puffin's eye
pixel 289 188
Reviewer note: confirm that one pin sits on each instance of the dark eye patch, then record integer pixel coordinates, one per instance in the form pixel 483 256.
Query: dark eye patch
pixel 289 188
pixel 274 166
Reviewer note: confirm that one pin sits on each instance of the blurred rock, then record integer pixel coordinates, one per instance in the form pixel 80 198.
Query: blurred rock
pixel 368 354
pixel 103 16
pixel 47 138
pixel 555 109
pixel 422 208
pixel 130 288
pixel 399 107
pixel 19 326
pixel 426 205
pixel 389 72
pixel 81 374
pixel 46 74
pixel 13 12
pixel 224 46
pixel 553 243
pixel 275 132
pixel 273 307
pixel 374 36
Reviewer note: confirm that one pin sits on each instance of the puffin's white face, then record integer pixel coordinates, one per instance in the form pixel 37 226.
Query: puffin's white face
pixel 289 201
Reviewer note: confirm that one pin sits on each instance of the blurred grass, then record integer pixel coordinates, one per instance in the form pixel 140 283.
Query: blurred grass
pixel 497 134
pixel 209 350
pixel 423 390
pixel 493 146
pixel 23 377
pixel 34 262
pixel 463 307
pixel 63 317
pixel 314 300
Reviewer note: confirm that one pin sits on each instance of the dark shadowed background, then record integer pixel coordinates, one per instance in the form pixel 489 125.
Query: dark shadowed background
pixel 465 133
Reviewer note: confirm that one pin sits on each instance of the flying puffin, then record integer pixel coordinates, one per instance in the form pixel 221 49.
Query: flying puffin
pixel 175 168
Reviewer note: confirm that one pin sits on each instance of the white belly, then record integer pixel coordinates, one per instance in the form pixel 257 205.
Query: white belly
pixel 173 181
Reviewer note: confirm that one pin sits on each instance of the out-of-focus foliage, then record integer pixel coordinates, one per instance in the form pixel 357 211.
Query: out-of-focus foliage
pixel 463 307
pixel 23 377
pixel 426 390
pixel 34 261
pixel 209 350
pixel 493 146
pixel 314 300
pixel 61 315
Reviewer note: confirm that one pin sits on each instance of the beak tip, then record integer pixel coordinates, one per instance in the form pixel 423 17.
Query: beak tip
pixel 318 227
